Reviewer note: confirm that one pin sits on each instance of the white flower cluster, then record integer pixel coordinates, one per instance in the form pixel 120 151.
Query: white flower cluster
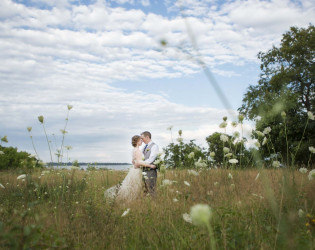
pixel 200 164
pixel 311 175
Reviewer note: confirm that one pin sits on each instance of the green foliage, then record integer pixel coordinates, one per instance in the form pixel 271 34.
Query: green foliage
pixel 287 83
pixel 177 154
pixel 10 158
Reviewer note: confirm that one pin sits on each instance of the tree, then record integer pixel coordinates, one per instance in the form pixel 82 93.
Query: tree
pixel 286 86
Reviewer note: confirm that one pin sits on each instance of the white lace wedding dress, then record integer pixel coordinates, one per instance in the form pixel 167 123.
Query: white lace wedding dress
pixel 131 187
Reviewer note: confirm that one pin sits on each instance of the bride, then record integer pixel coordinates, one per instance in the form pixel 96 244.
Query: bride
pixel 131 186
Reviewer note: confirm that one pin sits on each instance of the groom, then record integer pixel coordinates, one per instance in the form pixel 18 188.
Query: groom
pixel 150 152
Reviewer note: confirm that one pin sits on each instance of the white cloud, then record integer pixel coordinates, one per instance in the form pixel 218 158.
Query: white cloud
pixel 76 53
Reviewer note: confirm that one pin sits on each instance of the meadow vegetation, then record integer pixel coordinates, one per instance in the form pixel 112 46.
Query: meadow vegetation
pixel 250 209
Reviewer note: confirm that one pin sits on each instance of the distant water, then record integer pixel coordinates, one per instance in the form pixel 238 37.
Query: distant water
pixel 112 167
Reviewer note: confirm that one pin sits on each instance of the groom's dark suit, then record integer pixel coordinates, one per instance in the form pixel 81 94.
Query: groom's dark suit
pixel 151 174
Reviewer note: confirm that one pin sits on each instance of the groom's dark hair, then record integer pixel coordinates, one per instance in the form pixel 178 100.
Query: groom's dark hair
pixel 146 133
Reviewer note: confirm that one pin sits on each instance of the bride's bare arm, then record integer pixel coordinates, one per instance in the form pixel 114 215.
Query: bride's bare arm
pixel 139 162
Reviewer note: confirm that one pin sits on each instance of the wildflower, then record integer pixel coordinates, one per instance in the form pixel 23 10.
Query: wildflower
pixel 200 214
pixel 236 134
pixel 216 183
pixel 226 150
pixel 76 202
pixel 257 144
pixel 224 138
pixel 180 140
pixel 303 170
pixel 144 173
pixel 191 155
pixel 310 115
pixel 283 114
pixel 126 212
pixel 230 176
pixel 1 153
pixel 187 218
pixel 228 155
pixel 312 150
pixel 223 125
pixel 41 119
pixel 212 154
pixel 240 118
pixel 267 130
pixel 167 182
pixel 260 134
pixel 224 118
pixel 210 193
pixel 180 132
pixel 4 139
pixel 193 172
pixel 200 163
pixel 22 176
pixel 175 200
pixel 187 183
pixel 311 175
pixel 257 176
pixel 234 124
pixel 276 164
pixel 1 186
pixel 301 213
pixel 70 107
pixel 29 129
pixel 233 161
pixel 264 141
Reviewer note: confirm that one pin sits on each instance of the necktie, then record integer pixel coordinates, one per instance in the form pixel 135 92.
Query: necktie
pixel 145 148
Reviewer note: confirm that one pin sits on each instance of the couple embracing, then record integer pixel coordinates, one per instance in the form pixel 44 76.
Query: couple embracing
pixel 142 171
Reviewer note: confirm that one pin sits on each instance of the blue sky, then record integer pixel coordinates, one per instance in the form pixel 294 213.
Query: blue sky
pixel 105 58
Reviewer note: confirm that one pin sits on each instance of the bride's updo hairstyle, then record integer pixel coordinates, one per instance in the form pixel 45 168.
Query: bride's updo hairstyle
pixel 134 140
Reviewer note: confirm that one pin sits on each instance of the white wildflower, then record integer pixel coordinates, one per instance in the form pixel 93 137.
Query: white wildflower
pixel 312 150
pixel 311 175
pixel 167 182
pixel 303 170
pixel 187 183
pixel 228 155
pixel 191 155
pixel 276 164
pixel 224 138
pixel 267 130
pixel 210 193
pixel 234 124
pixel 200 214
pixel 144 173
pixel 1 153
pixel 212 154
pixel 226 150
pixel 310 115
pixel 187 218
pixel 175 200
pixel 1 186
pixel 236 134
pixel 283 114
pixel 193 172
pixel 233 161
pixel 200 163
pixel 223 125
pixel 257 144
pixel 260 134
pixel 264 141
pixel 301 213
pixel 22 176
pixel 126 212
pixel 230 176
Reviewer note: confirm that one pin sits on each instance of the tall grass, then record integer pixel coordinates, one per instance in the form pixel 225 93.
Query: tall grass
pixel 67 209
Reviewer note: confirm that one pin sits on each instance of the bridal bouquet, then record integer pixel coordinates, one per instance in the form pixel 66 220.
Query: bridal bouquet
pixel 159 162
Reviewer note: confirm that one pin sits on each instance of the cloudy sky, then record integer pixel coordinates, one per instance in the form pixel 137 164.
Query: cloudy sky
pixel 106 59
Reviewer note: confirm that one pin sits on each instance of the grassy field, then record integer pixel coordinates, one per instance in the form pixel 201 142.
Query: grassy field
pixel 255 209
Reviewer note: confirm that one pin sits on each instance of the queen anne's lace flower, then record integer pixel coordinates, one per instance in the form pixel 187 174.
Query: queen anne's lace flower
pixel 312 150
pixel 311 175
pixel 223 125
pixel 193 172
pixel 126 212
pixel 233 161
pixel 22 176
pixel 303 170
pixel 310 115
pixel 187 183
pixel 224 138
pixel 187 218
pixel 264 141
pixel 200 214
pixel 191 155
pixel 260 134
pixel 276 164
pixel 267 130
pixel 226 150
